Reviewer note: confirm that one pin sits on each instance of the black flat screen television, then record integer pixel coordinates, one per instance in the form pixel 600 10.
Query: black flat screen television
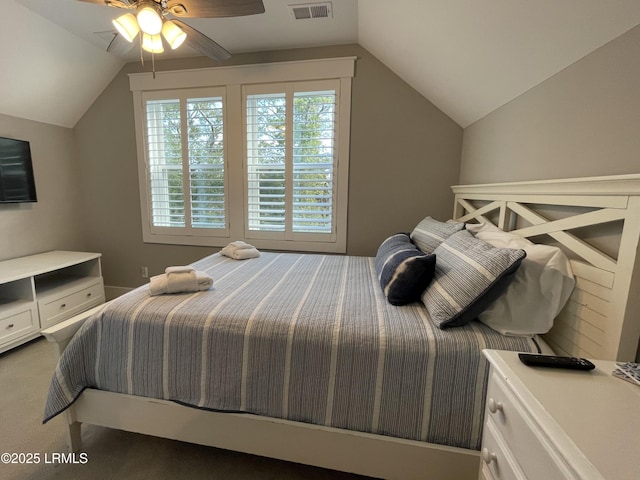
pixel 17 183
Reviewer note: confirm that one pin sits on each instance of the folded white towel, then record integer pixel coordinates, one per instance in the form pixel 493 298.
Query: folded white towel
pixel 182 282
pixel 240 250
pixel 205 282
pixel 245 253
pixel 179 268
pixel 239 244
pixel 178 282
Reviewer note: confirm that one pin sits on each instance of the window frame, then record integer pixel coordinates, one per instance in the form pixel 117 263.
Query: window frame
pixel 232 80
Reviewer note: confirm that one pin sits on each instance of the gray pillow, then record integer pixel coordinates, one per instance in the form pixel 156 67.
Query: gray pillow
pixel 470 274
pixel 403 271
pixel 430 233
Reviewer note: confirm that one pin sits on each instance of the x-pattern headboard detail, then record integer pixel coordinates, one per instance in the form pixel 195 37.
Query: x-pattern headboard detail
pixel 602 317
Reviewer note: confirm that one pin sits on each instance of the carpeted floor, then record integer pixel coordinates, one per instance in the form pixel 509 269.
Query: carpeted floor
pixel 25 373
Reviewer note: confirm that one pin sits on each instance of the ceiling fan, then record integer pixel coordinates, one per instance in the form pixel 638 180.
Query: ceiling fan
pixel 151 23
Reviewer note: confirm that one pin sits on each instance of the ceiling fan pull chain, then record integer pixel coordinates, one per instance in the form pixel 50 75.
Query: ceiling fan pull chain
pixel 153 64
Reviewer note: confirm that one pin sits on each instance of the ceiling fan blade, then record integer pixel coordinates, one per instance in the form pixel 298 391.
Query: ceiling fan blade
pixel 203 44
pixel 119 45
pixel 214 8
pixel 112 3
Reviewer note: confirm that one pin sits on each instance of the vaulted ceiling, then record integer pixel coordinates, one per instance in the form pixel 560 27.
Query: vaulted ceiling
pixel 468 57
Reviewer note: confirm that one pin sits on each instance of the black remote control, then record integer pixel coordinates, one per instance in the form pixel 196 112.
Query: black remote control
pixel 554 361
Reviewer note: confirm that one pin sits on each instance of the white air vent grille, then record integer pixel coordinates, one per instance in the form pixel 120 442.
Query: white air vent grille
pixel 308 11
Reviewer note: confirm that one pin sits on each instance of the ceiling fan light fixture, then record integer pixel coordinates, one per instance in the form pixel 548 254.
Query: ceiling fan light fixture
pixel 173 34
pixel 152 43
pixel 127 26
pixel 149 20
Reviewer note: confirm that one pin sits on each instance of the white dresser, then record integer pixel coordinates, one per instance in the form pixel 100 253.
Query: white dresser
pixel 38 291
pixel 548 424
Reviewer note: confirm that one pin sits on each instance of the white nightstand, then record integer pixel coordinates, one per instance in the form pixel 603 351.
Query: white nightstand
pixel 547 424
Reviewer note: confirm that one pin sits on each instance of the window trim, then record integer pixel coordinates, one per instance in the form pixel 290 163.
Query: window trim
pixel 232 79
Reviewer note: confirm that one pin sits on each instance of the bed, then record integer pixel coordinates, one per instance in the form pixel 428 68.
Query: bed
pixel 366 388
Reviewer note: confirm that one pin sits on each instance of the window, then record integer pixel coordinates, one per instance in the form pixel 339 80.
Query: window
pixel 291 161
pixel 185 164
pixel 265 161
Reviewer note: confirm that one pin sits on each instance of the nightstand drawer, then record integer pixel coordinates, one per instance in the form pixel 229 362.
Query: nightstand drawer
pixel 513 423
pixel 496 459
pixel 485 473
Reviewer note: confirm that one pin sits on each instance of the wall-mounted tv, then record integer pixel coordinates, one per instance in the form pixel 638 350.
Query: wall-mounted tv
pixel 17 183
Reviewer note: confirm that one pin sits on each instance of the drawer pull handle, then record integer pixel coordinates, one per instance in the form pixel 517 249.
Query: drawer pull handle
pixel 63 305
pixel 10 326
pixel 494 406
pixel 89 294
pixel 488 456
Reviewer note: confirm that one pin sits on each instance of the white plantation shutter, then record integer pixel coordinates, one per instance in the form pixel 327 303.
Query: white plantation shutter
pixel 291 161
pixel 206 162
pixel 164 152
pixel 185 165
pixel 314 122
pixel 266 172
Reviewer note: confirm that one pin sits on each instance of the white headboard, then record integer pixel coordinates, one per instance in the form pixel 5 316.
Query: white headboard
pixel 602 318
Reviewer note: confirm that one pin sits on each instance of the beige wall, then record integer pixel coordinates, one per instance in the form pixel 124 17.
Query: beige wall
pixel 54 222
pixel 404 155
pixel 584 121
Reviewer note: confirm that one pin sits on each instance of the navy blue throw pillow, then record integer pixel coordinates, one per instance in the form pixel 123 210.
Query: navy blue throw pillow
pixel 403 270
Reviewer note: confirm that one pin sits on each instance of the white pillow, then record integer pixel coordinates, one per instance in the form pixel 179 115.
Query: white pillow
pixel 539 290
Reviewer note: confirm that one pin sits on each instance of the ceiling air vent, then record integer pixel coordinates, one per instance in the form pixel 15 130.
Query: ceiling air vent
pixel 308 11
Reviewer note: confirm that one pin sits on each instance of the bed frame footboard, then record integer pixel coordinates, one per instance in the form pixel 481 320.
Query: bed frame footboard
pixel 327 447
pixel 60 335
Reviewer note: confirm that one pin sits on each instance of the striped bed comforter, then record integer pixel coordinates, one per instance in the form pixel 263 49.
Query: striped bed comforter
pixel 308 338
